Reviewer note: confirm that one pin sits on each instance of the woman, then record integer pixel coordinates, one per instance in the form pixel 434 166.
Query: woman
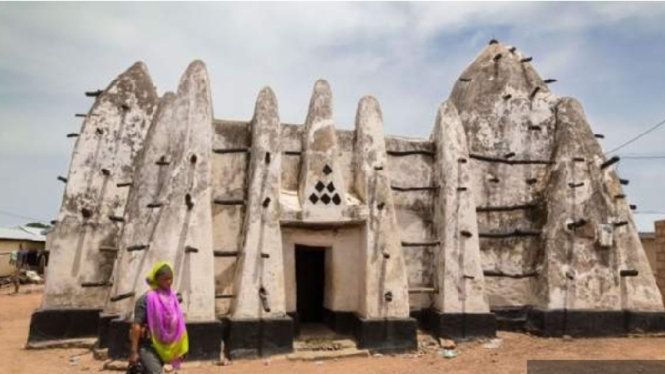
pixel 158 333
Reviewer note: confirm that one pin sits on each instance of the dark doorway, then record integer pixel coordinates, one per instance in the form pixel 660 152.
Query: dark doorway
pixel 310 282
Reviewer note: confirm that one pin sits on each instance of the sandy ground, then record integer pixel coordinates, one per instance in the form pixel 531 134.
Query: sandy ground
pixel 510 358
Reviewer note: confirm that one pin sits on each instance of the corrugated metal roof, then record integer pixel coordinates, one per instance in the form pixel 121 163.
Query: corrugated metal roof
pixel 22 233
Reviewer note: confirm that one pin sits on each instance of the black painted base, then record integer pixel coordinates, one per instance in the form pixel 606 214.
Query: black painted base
pixel 389 335
pixel 459 326
pixel 591 323
pixel 645 322
pixel 118 339
pixel 253 338
pixel 296 322
pixel 418 316
pixel 103 329
pixel 511 318
pixel 340 322
pixel 57 324
pixel 205 340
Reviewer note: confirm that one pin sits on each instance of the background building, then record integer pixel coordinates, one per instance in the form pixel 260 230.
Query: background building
pixel 31 238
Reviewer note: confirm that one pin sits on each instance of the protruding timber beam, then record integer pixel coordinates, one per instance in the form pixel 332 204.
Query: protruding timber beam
pixel 137 247
pixel 421 244
pixel 610 162
pixel 410 152
pixel 229 202
pixel 96 284
pixel 117 219
pixel 108 249
pixel 223 151
pixel 423 290
pixel 93 93
pixel 224 296
pixel 514 233
pixel 629 273
pixel 226 253
pixel 122 297
pixel 505 208
pixel 406 189
pixel 494 273
pixel 576 224
pixel 510 162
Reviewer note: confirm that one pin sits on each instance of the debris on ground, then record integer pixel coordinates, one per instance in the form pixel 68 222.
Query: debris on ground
pixel 493 343
pixel 448 353
pixel 447 343
pixel 427 344
pixel 100 354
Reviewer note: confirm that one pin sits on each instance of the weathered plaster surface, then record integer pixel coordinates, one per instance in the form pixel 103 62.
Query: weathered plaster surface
pixel 579 272
pixel 259 280
pixel 111 136
pixel 508 114
pixel 228 181
pixel 322 189
pixel 414 209
pixel 459 276
pixel 386 287
pixel 151 183
pixel 181 229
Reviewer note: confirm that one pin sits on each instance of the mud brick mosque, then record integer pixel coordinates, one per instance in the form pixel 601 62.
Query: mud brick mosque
pixel 509 216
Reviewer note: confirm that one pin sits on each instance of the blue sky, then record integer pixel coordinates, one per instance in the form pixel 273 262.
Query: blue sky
pixel 610 56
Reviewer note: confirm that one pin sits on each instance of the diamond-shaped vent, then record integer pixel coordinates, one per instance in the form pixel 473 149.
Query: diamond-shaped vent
pixel 325 198
pixel 313 198
pixel 320 186
pixel 331 187
pixel 327 169
pixel 336 199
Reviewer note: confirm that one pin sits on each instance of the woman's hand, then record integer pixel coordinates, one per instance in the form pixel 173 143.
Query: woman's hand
pixel 133 358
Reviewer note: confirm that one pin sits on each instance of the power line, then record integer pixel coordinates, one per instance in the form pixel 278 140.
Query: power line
pixel 642 157
pixel 5 213
pixel 637 137
pixel 648 212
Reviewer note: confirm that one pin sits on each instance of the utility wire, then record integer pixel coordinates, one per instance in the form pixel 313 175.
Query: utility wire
pixel 637 137
pixel 642 157
pixel 5 213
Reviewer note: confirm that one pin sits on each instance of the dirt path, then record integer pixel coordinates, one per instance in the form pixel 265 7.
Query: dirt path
pixel 472 358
